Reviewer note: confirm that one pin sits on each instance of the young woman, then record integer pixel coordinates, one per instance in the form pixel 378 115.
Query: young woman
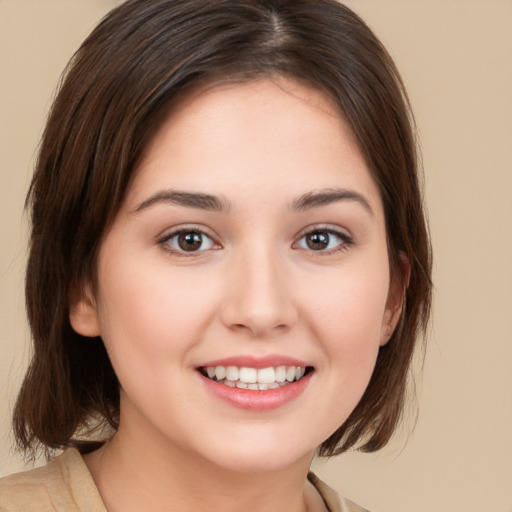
pixel 229 264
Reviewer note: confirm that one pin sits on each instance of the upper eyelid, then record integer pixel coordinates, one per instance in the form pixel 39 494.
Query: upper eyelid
pixel 345 239
pixel 163 242
pixel 337 230
pixel 171 232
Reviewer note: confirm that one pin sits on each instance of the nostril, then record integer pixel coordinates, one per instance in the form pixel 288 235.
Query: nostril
pixel 259 329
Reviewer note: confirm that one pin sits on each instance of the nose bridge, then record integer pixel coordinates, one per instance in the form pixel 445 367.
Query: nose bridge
pixel 259 298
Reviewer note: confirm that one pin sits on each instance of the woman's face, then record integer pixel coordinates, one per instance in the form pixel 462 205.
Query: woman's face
pixel 243 287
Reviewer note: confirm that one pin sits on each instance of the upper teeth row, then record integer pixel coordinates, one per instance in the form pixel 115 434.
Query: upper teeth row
pixel 256 375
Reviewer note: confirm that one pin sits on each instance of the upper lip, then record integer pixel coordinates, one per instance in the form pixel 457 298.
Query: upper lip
pixel 249 361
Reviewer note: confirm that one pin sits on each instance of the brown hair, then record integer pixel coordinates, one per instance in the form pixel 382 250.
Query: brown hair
pixel 143 56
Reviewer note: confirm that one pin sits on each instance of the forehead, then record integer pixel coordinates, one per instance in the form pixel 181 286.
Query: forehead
pixel 271 134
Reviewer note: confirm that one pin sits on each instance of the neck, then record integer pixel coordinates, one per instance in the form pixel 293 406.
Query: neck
pixel 132 475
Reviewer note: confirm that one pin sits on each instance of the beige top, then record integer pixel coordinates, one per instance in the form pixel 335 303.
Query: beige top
pixel 65 485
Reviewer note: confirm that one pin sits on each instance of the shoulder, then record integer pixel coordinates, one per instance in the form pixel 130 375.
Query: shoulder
pixel 22 491
pixel 63 485
pixel 333 501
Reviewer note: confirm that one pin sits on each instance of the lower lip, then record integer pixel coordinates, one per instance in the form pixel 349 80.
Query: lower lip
pixel 257 400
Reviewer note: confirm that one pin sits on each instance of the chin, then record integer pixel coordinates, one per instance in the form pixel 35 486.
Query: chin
pixel 258 454
pixel 267 462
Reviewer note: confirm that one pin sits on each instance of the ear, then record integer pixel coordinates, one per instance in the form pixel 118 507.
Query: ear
pixel 395 303
pixel 83 314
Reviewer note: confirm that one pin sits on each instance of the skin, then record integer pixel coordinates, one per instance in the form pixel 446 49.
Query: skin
pixel 254 289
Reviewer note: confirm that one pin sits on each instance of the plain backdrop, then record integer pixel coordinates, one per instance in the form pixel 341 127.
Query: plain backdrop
pixel 455 58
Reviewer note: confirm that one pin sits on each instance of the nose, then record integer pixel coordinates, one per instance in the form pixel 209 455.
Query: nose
pixel 258 297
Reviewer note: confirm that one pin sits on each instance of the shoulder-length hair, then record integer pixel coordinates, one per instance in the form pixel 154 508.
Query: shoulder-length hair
pixel 141 59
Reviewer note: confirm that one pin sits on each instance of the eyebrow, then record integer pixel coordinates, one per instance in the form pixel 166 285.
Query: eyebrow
pixel 308 201
pixel 325 197
pixel 188 199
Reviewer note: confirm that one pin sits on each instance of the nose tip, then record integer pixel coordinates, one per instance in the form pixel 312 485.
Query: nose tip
pixel 258 300
pixel 259 323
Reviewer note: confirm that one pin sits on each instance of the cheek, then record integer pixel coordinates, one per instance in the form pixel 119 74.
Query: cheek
pixel 350 305
pixel 352 339
pixel 149 313
pixel 347 320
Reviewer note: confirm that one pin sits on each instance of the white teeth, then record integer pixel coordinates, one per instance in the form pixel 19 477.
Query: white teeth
pixel 249 375
pixel 264 387
pixel 231 373
pixel 266 375
pixel 220 372
pixel 291 373
pixel 253 378
pixel 280 373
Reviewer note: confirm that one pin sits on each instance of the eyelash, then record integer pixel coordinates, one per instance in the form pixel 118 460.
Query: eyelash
pixel 345 241
pixel 164 241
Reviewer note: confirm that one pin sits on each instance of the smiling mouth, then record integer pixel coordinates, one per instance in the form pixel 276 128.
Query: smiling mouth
pixel 260 379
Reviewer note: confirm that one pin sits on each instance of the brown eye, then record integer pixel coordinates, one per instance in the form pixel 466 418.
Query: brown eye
pixel 324 240
pixel 188 241
pixel 317 240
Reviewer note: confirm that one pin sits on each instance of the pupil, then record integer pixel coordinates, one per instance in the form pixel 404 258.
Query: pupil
pixel 318 240
pixel 191 241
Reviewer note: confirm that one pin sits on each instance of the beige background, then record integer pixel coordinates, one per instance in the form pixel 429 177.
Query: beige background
pixel 455 57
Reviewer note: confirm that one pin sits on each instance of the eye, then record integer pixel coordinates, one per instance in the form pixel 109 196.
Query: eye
pixel 189 240
pixel 325 240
